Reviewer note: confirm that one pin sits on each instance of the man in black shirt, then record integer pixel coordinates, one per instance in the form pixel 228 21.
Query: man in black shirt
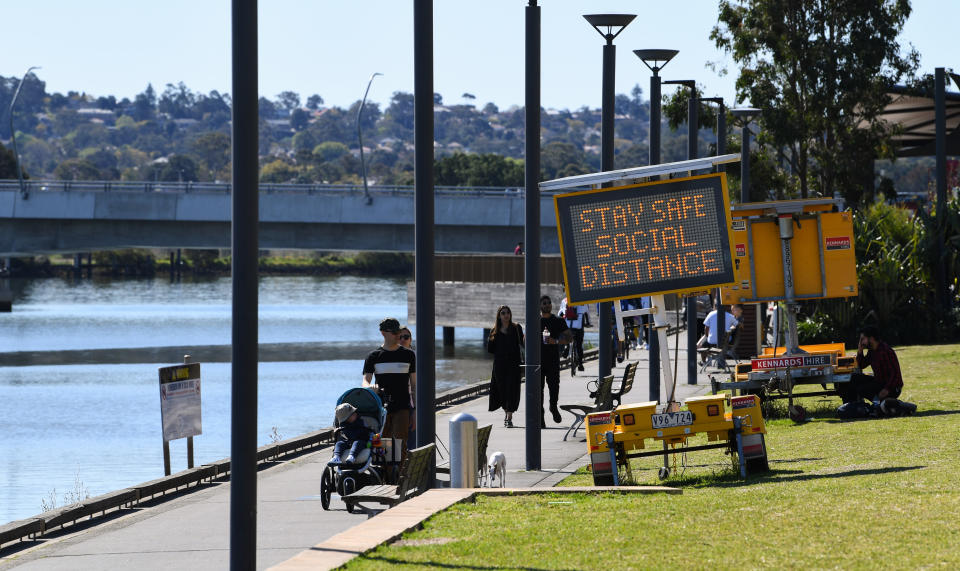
pixel 554 332
pixel 394 368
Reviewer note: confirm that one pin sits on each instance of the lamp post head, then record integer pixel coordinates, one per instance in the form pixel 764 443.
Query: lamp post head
pixel 717 100
pixel 746 114
pixel 650 58
pixel 614 24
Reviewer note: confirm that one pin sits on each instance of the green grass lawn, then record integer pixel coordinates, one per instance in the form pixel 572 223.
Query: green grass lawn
pixel 865 494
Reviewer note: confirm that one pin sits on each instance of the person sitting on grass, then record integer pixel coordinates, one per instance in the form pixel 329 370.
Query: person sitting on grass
pixel 886 380
pixel 354 435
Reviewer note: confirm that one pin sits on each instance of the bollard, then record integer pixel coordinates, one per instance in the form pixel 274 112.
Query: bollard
pixel 463 451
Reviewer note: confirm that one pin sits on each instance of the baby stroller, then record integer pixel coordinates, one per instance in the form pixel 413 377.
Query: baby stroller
pixel 347 478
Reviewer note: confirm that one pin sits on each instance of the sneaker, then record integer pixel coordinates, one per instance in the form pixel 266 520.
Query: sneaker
pixel 579 367
pixel 556 415
pixel 509 424
pixel 350 460
pixel 334 461
pixel 573 372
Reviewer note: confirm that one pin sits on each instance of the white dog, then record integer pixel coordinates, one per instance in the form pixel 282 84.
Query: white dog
pixel 497 467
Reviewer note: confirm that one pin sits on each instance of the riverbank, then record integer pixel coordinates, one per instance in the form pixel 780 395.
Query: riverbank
pixel 154 262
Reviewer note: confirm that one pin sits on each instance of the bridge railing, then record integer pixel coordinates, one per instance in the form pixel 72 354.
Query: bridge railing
pixel 33 186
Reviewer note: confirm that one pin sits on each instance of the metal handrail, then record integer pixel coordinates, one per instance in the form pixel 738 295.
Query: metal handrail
pixel 269 188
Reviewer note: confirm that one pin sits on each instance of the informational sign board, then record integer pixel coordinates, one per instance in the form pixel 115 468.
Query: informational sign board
pixel 823 258
pixel 180 401
pixel 651 238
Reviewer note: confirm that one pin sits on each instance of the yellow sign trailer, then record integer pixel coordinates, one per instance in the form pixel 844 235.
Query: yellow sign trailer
pixel 734 423
pixel 791 250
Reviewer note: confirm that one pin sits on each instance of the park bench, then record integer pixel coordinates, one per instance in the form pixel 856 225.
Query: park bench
pixel 483 438
pixel 603 401
pixel 626 384
pixel 414 479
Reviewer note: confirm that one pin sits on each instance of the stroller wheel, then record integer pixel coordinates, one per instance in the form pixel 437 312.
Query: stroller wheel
pixel 326 487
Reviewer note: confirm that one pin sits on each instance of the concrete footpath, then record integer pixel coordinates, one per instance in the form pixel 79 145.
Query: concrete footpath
pixel 191 531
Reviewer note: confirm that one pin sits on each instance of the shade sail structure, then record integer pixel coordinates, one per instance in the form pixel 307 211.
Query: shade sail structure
pixel 914 114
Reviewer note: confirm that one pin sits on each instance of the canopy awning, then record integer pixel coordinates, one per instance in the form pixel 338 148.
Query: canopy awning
pixel 914 114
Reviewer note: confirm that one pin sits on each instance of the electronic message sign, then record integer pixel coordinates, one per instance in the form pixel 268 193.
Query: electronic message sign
pixel 642 239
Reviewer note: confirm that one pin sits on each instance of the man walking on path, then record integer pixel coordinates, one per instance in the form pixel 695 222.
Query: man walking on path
pixel 576 318
pixel 554 332
pixel 394 370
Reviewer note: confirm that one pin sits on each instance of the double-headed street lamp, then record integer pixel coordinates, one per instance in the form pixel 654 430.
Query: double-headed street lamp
pixel 363 167
pixel 609 26
pixel 655 59
pixel 13 133
pixel 745 115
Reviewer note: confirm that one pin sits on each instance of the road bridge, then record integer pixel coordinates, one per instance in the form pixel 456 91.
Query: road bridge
pixel 68 216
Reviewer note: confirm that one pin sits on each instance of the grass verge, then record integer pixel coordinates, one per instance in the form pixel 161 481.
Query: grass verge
pixel 851 495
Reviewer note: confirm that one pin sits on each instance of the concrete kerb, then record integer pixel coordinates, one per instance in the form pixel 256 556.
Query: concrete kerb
pixel 390 525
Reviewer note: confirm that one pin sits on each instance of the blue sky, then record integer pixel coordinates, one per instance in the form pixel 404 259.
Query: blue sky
pixel 114 47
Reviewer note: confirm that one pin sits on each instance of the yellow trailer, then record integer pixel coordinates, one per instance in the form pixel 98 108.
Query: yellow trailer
pixel 734 423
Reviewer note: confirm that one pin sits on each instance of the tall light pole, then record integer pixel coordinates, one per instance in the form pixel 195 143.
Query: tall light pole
pixel 13 133
pixel 531 263
pixel 693 121
pixel 745 115
pixel 655 59
pixel 363 167
pixel 609 27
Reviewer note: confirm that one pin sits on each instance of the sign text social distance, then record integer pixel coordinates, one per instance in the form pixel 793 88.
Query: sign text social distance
pixel 650 238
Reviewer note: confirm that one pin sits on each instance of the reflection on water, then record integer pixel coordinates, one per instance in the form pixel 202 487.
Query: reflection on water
pixel 79 394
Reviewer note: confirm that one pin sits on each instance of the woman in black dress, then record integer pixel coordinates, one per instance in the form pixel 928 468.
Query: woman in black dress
pixel 506 344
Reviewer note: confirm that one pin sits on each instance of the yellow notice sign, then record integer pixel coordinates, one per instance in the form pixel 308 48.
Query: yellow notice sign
pixel 822 258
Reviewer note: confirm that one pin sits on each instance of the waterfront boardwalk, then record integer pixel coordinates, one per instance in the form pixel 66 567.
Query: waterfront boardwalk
pixel 191 531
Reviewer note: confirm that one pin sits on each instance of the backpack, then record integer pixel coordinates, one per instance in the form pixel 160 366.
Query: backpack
pixel 570 313
pixel 855 409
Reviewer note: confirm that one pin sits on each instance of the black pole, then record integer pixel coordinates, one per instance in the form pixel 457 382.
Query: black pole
pixel 693 120
pixel 940 117
pixel 532 234
pixel 423 181
pixel 745 163
pixel 721 150
pixel 606 164
pixel 653 338
pixel 245 217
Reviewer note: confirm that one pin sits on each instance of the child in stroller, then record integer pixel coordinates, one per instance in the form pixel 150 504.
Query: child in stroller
pixel 356 434
pixel 359 418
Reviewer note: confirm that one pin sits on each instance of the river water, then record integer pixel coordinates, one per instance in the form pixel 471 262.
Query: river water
pixel 79 396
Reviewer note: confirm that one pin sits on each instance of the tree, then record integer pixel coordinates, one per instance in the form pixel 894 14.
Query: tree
pixel 145 104
pixel 819 70
pixel 314 102
pixel 299 119
pixel 77 169
pixel 213 149
pixel 288 101
pixel 8 163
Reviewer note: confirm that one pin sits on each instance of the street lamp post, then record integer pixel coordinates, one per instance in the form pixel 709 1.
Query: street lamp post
pixel 13 133
pixel 609 26
pixel 693 121
pixel 655 60
pixel 745 115
pixel 363 167
pixel 721 150
pixel 531 262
